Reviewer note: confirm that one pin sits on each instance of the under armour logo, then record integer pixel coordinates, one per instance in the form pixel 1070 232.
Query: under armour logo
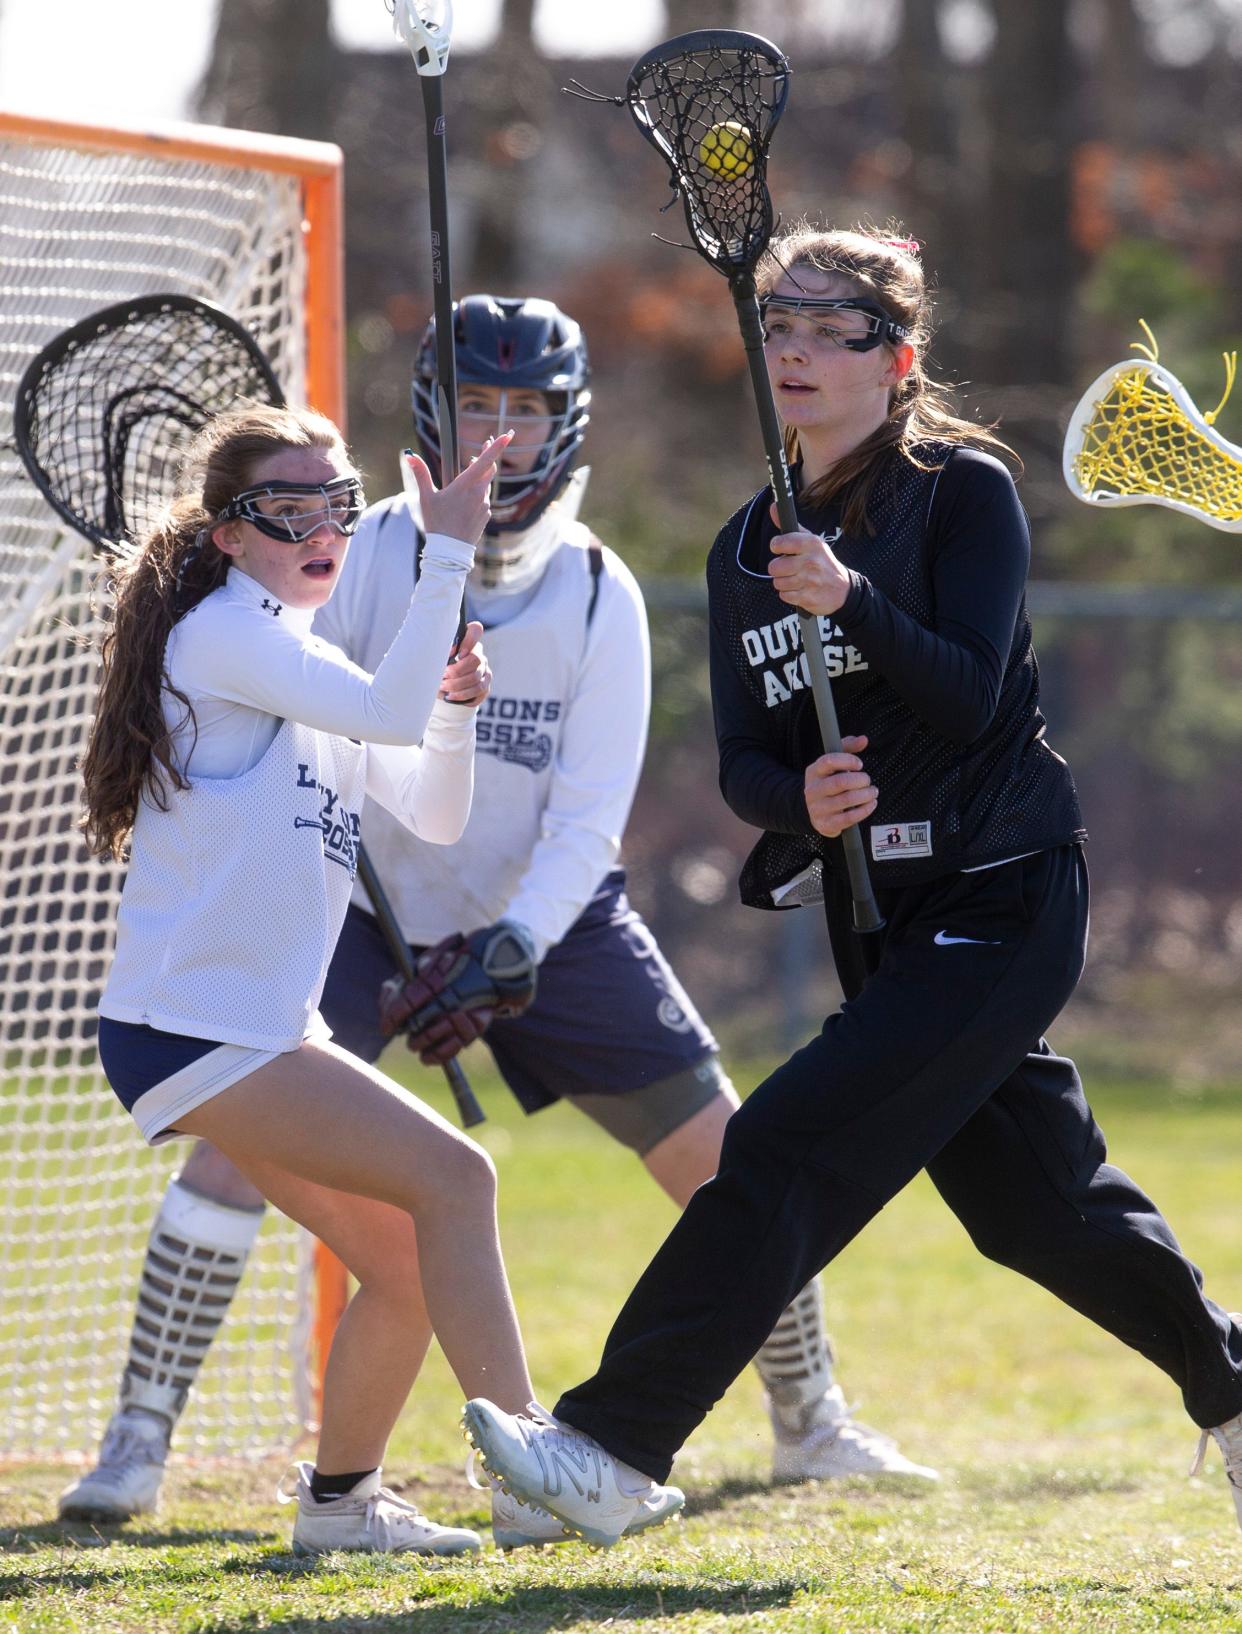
pixel 273 607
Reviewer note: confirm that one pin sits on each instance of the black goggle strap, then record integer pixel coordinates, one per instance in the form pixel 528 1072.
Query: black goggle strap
pixel 882 326
pixel 343 504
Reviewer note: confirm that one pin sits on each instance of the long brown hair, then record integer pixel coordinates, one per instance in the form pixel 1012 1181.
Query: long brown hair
pixel 129 754
pixel 878 264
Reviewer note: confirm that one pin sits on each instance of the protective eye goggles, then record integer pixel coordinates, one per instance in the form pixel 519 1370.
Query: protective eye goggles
pixel 880 327
pixel 290 517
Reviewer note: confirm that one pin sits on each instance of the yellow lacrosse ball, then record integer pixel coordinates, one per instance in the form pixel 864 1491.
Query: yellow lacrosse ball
pixel 726 149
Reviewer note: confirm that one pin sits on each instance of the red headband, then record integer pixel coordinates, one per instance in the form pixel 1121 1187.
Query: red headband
pixel 910 245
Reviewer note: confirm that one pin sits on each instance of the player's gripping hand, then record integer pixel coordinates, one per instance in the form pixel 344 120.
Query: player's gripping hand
pixel 460 985
pixel 805 572
pixel 462 509
pixel 467 677
pixel 838 791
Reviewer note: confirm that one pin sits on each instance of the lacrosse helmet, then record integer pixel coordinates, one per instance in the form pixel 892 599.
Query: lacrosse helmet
pixel 515 345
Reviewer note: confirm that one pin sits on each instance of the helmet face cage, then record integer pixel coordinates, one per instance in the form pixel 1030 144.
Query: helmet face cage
pixel 342 505
pixel 515 345
pixel 881 327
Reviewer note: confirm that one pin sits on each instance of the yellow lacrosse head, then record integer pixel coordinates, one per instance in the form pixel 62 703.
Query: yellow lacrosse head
pixel 1137 438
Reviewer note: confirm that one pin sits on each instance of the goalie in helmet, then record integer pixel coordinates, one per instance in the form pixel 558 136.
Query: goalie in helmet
pixel 523 931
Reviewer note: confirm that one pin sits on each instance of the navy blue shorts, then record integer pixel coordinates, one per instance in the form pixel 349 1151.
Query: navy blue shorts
pixel 135 1057
pixel 609 1015
pixel 158 1077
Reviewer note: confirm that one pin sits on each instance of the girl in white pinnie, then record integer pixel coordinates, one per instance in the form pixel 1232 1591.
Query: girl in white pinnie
pixel 230 754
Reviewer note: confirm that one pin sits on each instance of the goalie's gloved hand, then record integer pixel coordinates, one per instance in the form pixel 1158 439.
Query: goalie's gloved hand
pixel 460 985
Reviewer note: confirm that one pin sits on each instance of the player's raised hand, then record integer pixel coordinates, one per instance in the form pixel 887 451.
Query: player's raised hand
pixel 461 510
pixel 806 573
pixel 467 677
pixel 838 791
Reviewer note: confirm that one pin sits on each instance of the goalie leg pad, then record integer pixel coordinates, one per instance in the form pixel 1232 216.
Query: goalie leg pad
pixel 194 1262
pixel 795 1361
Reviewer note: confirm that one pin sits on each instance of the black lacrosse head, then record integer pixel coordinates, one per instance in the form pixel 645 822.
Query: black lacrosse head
pixel 108 409
pixel 709 101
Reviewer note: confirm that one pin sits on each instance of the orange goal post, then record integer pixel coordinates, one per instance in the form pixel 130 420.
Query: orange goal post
pixel 90 216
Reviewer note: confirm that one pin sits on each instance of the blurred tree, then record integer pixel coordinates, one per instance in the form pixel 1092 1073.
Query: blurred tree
pixel 272 68
pixel 1025 248
pixel 927 165
pixel 516 90
pixel 1122 67
pixel 680 16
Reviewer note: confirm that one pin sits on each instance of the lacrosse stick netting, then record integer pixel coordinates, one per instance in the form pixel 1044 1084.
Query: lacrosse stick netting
pixel 708 103
pixel 106 413
pixel 1138 438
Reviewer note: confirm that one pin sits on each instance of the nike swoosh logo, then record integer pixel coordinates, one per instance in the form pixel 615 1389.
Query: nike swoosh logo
pixel 943 939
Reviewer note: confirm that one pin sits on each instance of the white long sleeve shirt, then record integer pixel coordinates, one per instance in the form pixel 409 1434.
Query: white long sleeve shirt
pixel 235 894
pixel 559 742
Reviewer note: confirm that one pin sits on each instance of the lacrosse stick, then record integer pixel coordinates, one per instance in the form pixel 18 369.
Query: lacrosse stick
pixel 708 102
pixel 1137 438
pixel 425 26
pixel 106 413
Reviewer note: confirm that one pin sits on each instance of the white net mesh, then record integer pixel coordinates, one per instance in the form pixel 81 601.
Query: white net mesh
pixel 80 230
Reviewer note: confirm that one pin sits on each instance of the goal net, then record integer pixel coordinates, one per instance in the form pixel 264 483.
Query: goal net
pixel 89 217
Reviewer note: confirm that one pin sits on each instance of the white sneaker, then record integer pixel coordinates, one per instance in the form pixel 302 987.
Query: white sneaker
pixel 515 1525
pixel 553 1467
pixel 126 1480
pixel 372 1520
pixel 832 1444
pixel 1228 1437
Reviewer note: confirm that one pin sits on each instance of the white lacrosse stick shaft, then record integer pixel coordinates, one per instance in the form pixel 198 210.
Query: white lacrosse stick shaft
pixel 426 26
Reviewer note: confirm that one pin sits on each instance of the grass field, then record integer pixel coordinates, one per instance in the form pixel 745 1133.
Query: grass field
pixel 1064 1504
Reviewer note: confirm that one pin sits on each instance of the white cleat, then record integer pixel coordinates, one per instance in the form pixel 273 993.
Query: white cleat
pixel 516 1525
pixel 832 1444
pixel 370 1520
pixel 126 1480
pixel 1228 1437
pixel 548 1465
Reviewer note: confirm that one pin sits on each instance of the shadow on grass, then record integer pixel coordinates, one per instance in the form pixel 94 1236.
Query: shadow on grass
pixel 1026 1485
pixel 541 1610
pixel 863 1491
pixel 91 1535
pixel 76 1544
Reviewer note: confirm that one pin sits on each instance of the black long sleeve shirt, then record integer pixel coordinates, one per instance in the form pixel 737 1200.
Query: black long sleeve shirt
pixel 930 656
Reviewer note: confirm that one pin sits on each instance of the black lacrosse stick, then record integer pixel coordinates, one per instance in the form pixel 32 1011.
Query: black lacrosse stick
pixel 107 411
pixel 708 102
pixel 104 418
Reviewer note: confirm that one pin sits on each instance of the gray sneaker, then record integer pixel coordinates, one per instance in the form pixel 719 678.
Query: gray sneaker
pixel 372 1520
pixel 828 1443
pixel 126 1480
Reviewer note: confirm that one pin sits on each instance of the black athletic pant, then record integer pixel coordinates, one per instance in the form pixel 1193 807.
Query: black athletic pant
pixel 935 1061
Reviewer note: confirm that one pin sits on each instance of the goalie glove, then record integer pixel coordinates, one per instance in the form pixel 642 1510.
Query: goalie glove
pixel 459 986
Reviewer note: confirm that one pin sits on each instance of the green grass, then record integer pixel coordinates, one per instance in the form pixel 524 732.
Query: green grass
pixel 1064 1506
